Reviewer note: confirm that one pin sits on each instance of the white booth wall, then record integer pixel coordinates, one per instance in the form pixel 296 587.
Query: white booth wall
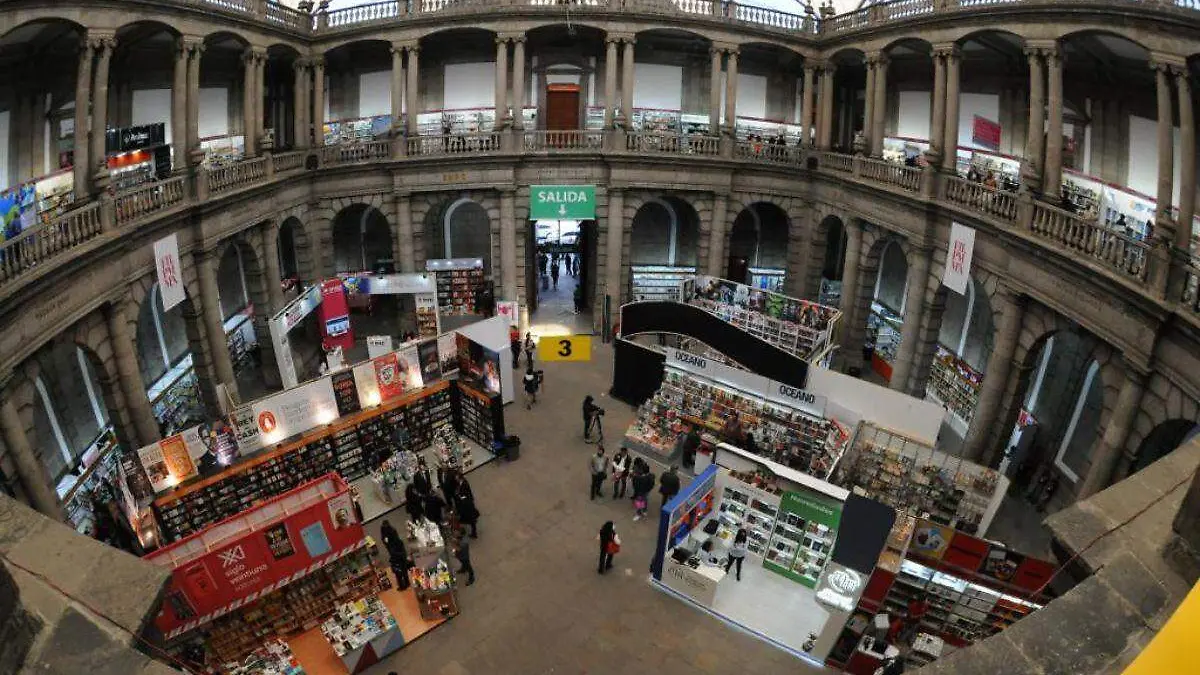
pixel 214 112
pixel 152 106
pixel 469 85
pixel 657 86
pixel 375 93
pixel 914 112
pixel 5 118
pixel 1143 158
pixel 970 105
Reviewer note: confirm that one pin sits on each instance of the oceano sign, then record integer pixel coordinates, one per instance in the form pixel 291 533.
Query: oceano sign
pixel 562 202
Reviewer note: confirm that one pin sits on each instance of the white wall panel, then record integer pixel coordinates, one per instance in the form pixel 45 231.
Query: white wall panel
pixel 970 105
pixel 913 121
pixel 469 85
pixel 375 93
pixel 5 139
pixel 214 112
pixel 751 96
pixel 1143 158
pixel 657 86
pixel 151 106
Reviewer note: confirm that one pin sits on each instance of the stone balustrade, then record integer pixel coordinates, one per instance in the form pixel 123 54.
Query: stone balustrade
pixel 1085 240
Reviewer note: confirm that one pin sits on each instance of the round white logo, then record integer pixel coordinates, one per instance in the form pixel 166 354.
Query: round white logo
pixel 844 581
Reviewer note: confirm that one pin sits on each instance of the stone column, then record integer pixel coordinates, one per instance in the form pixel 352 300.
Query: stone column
pixel 1031 170
pixel 397 87
pixel 518 82
pixel 716 235
pixel 300 104
pixel 260 91
pixel 995 379
pixel 714 91
pixel 411 97
pixel 613 244
pixel 404 225
pixel 1052 180
pixel 952 56
pixel 826 140
pixel 880 109
pixel 914 312
pixel 195 52
pixel 508 244
pixel 937 119
pixel 501 83
pixel 869 101
pixel 248 126
pixel 318 102
pixel 214 325
pixel 1187 162
pixel 806 105
pixel 30 471
pixel 850 280
pixel 610 80
pixel 270 235
pixel 1166 151
pixel 627 78
pixel 140 412
pixel 1108 450
pixel 179 125
pixel 104 49
pixel 83 89
pixel 731 78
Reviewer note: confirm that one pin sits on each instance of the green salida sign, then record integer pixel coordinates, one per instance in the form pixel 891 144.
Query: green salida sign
pixel 562 202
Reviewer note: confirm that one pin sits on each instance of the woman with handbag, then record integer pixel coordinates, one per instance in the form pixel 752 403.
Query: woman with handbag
pixel 610 545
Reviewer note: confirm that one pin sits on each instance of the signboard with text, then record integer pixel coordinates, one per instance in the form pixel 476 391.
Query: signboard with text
pixel 169 271
pixel 958 258
pixel 562 202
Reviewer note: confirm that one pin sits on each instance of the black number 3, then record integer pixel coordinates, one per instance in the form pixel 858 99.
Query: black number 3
pixel 565 348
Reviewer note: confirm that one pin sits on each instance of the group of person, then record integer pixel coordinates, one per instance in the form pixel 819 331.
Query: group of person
pixel 630 474
pixel 423 502
pixel 549 266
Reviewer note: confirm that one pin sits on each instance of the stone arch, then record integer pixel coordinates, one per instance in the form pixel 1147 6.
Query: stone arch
pixel 25 26
pixel 362 239
pixel 226 35
pixel 295 253
pixel 665 230
pixel 908 41
pixel 759 230
pixel 676 31
pixel 1163 400
pixel 473 213
pixel 1162 440
pixel 161 337
pixel 238 267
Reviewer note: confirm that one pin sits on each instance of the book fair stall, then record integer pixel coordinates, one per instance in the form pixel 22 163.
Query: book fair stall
pixel 799 327
pixel 792 522
pixel 955 384
pixel 291 585
pixel 459 281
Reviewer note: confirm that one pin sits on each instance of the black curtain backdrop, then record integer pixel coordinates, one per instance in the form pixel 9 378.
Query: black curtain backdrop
pixel 637 372
pixel 864 529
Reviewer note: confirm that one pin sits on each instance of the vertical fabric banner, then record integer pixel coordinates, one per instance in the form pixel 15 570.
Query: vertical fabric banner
pixel 958 258
pixel 389 376
pixel 170 271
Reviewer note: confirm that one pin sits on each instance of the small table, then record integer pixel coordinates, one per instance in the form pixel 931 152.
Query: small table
pixel 698 583
pixel 362 633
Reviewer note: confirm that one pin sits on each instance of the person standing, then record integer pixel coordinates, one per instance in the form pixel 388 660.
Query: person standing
pixel 737 552
pixel 591 414
pixel 393 543
pixel 531 381
pixel 434 506
pixel 422 479
pixel 414 502
pixel 448 482
pixel 620 472
pixel 462 552
pixel 529 345
pixel 598 465
pixel 610 545
pixel 514 343
pixel 668 484
pixel 464 503
pixel 554 274
pixel 643 483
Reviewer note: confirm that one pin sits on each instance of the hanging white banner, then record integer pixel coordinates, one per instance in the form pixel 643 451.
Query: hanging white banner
pixel 170 271
pixel 958 258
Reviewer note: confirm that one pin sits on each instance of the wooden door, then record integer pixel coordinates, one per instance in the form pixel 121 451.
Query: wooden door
pixel 562 107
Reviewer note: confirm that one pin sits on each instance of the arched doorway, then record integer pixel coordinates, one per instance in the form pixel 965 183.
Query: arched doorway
pixel 758 244
pixel 663 242
pixel 243 300
pixel 962 352
pixel 362 241
pixel 833 263
pixel 165 363
pixel 1163 440
pixel 887 309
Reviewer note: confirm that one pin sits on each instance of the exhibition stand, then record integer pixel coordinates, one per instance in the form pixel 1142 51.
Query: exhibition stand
pixel 793 521
pixel 290 585
pixel 300 359
pixel 459 282
pixel 419 290
pixel 485 357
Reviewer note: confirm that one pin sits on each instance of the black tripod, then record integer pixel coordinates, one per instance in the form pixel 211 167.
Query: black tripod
pixel 594 424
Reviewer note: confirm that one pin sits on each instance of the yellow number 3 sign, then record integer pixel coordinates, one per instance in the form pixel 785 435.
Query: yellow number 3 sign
pixel 565 348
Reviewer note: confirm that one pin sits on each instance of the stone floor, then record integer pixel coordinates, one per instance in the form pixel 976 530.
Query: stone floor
pixel 538 605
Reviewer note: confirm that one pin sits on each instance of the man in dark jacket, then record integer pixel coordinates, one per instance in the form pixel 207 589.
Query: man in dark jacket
pixel 462 552
pixel 668 484
pixel 643 483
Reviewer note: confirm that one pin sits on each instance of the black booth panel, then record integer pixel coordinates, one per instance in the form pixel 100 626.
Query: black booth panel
pixel 637 372
pixel 862 533
pixel 756 355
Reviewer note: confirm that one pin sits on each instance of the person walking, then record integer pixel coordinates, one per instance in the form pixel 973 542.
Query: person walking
pixel 598 465
pixel 554 274
pixel 620 472
pixel 737 552
pixel 464 504
pixel 529 345
pixel 531 381
pixel 610 545
pixel 462 553
pixel 514 343
pixel 393 543
pixel 668 484
pixel 643 483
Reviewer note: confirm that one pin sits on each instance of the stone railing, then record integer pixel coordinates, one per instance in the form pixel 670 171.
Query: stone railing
pixel 672 144
pixel 1090 240
pixel 372 13
pixel 456 144
pixel 759 151
pixel 144 200
pixel 978 196
pixel 289 161
pixel 891 173
pixel 835 161
pixel 537 141
pixel 237 175
pixel 288 17
pixel 1191 284
pixel 42 242
pixel 354 153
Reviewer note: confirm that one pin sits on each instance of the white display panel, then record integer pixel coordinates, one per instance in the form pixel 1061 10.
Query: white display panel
pixel 657 86
pixel 214 112
pixel 913 121
pixel 469 85
pixel 4 143
pixel 1143 158
pixel 151 106
pixel 851 400
pixel 970 105
pixel 751 96
pixel 375 93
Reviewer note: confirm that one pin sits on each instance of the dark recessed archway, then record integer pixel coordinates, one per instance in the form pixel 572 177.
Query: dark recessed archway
pixel 362 239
